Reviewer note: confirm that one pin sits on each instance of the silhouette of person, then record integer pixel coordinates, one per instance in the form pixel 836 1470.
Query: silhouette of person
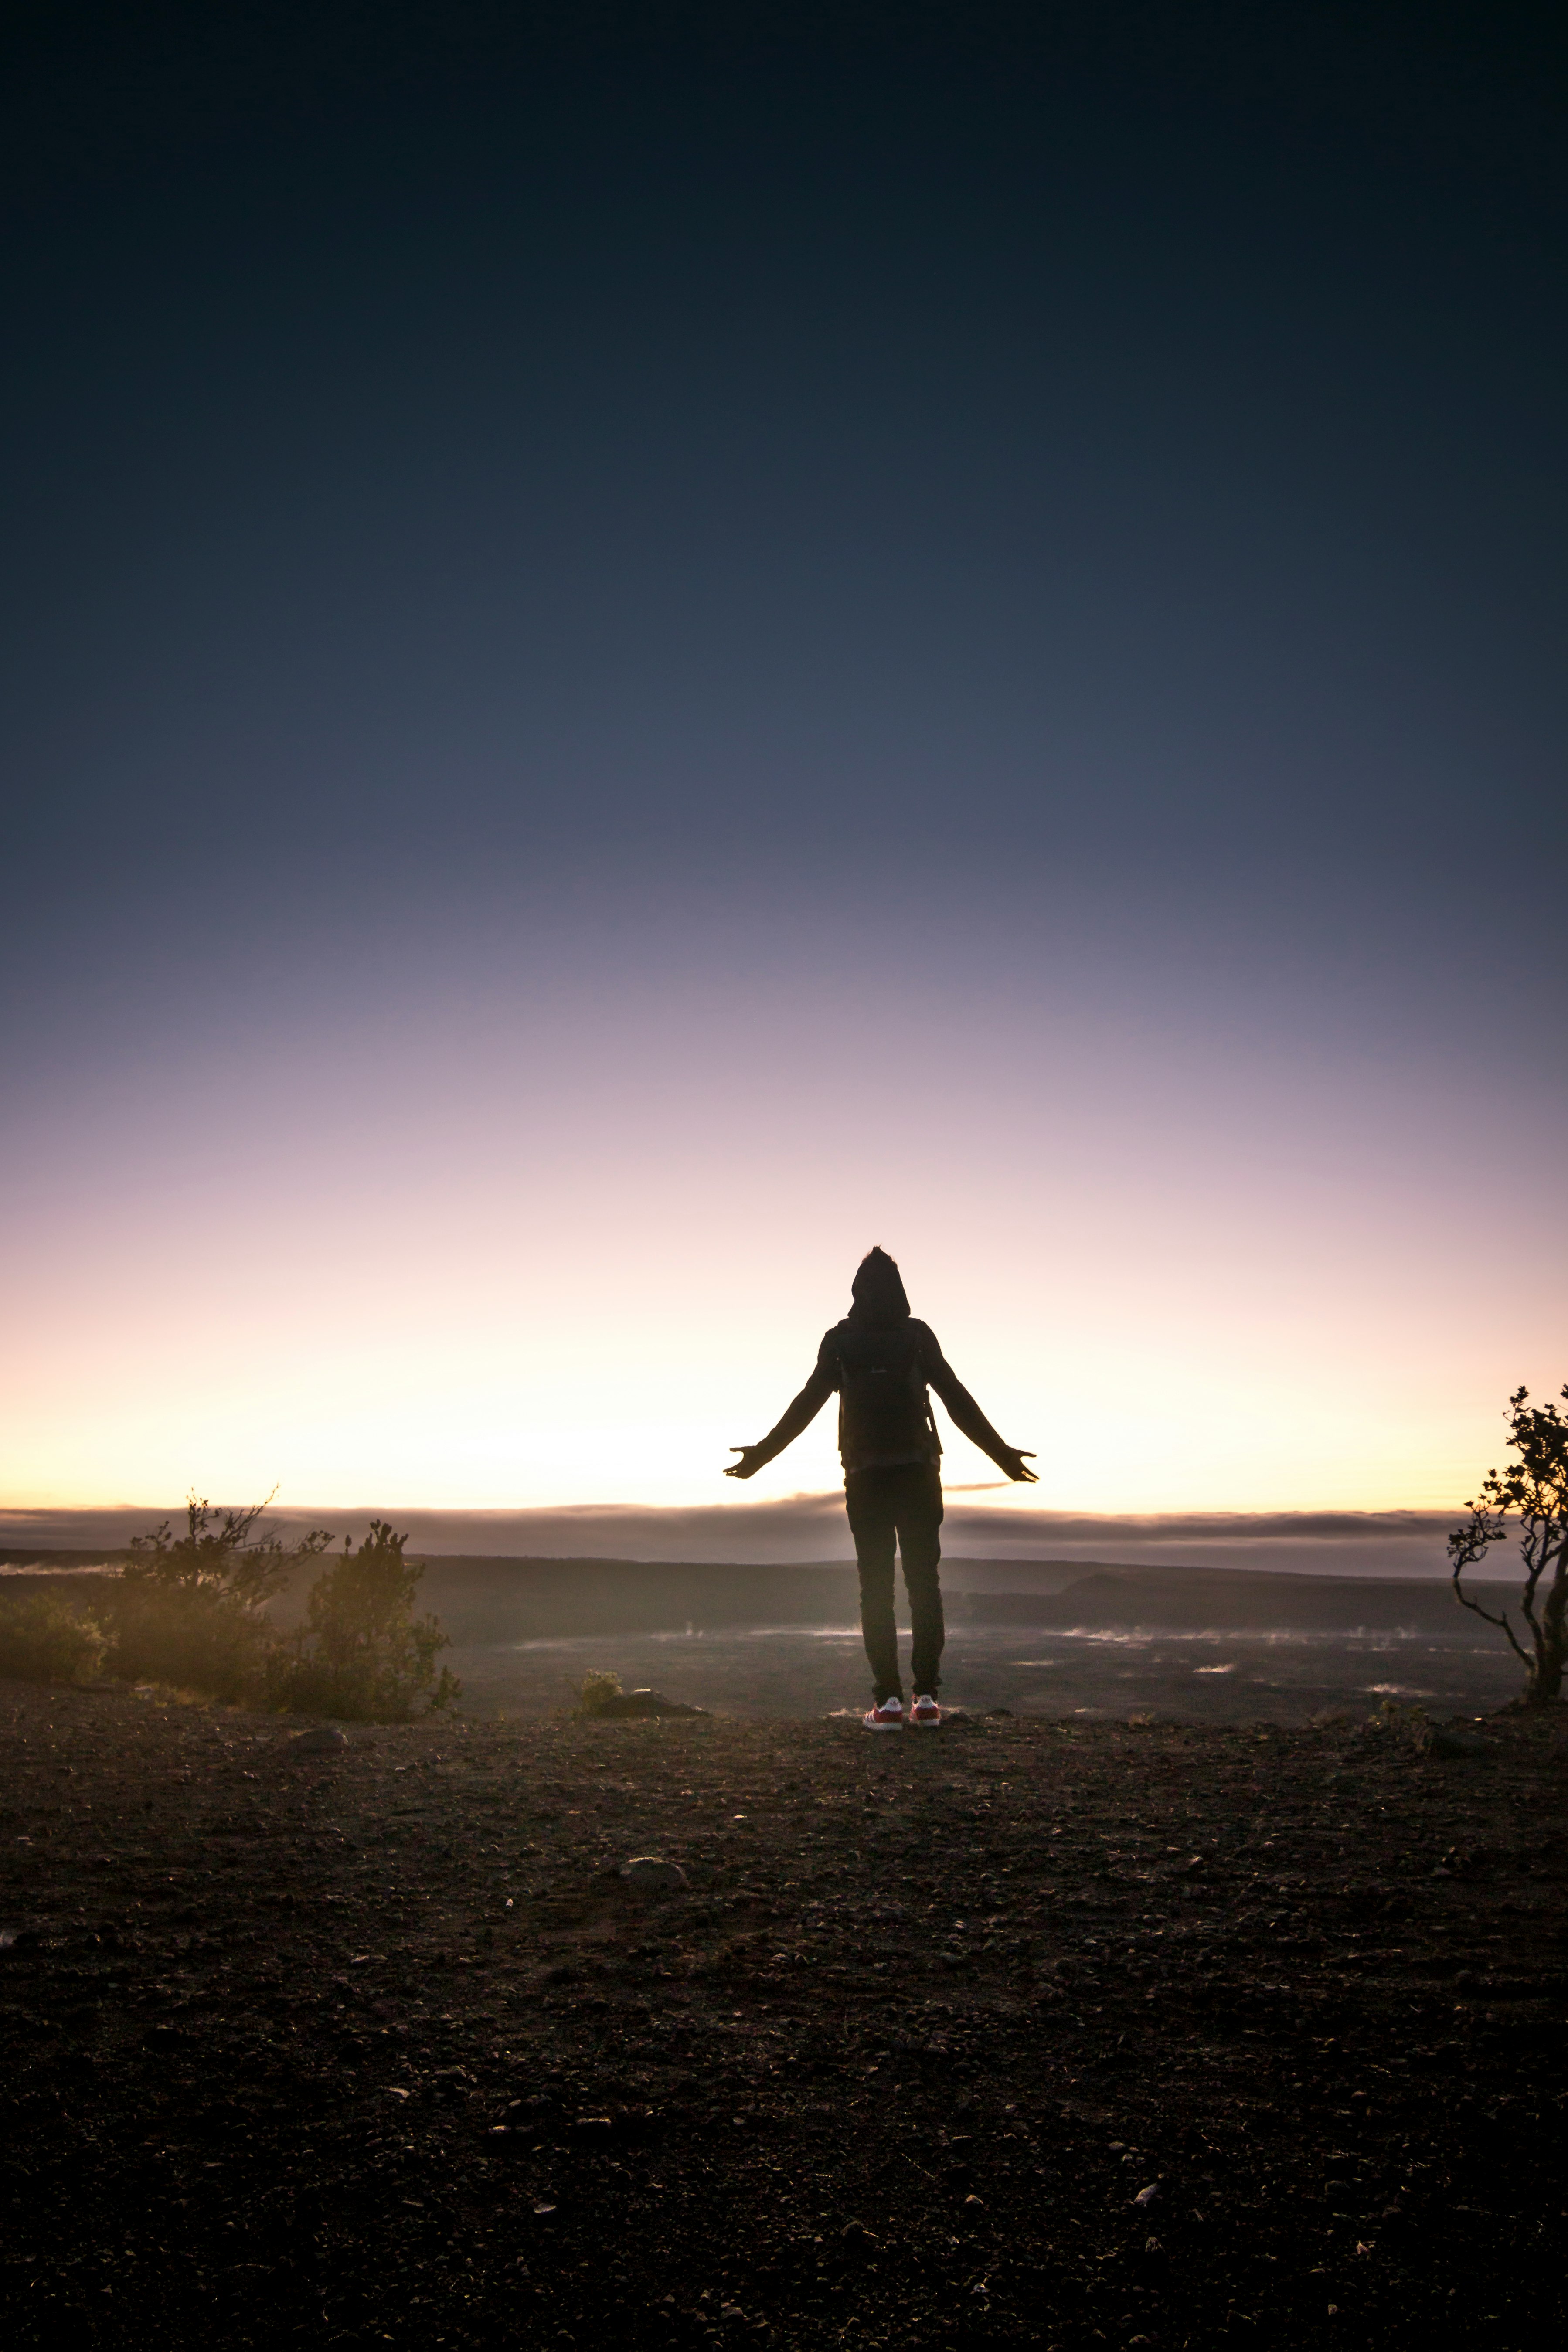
pixel 881 1362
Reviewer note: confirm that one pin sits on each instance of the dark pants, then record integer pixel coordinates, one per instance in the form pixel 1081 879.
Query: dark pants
pixel 901 1506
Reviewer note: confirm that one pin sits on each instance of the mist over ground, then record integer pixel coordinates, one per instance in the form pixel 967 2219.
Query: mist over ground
pixel 1213 1677
pixel 1184 1638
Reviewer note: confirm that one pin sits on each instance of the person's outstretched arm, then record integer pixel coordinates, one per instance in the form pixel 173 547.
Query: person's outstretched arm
pixel 795 1418
pixel 968 1417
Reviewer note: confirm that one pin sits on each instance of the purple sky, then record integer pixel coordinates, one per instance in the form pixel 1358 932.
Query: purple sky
pixel 633 664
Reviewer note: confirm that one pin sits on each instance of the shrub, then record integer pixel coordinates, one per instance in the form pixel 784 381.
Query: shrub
pixel 362 1654
pixel 1409 1719
pixel 220 1552
pixel 198 1639
pixel 43 1639
pixel 190 1609
pixel 596 1690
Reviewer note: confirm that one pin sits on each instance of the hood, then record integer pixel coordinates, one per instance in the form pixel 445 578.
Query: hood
pixel 878 1290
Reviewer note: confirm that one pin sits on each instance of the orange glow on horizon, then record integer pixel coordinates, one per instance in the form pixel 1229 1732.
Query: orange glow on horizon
pixel 1227 1289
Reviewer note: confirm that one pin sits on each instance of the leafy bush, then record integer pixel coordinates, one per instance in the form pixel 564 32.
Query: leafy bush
pixel 596 1690
pixel 198 1638
pixel 191 1609
pixel 43 1639
pixel 1410 1720
pixel 220 1552
pixel 362 1654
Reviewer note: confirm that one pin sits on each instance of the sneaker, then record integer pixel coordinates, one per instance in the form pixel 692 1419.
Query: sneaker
pixel 924 1710
pixel 887 1716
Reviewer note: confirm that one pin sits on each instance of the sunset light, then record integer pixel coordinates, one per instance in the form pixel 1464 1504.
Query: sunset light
pixel 783 1471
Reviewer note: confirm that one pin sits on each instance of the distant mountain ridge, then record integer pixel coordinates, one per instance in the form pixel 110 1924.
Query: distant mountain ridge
pixel 797 1529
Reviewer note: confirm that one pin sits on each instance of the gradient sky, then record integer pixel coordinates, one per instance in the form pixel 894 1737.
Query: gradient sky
pixel 634 659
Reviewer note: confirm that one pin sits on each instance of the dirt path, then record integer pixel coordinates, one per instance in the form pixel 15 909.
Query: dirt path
pixel 368 2048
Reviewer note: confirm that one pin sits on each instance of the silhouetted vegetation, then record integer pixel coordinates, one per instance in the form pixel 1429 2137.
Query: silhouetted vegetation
pixel 1528 1499
pixel 44 1639
pixel 190 1609
pixel 362 1654
pixel 220 1552
pixel 596 1690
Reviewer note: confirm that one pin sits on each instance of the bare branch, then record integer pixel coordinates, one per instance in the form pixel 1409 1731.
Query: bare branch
pixel 1475 1607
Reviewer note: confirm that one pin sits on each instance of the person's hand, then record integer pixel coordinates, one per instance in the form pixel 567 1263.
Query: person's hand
pixel 750 1463
pixel 1016 1466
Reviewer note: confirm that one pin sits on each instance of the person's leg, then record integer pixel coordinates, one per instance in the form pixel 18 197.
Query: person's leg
pixel 920 1548
pixel 872 1524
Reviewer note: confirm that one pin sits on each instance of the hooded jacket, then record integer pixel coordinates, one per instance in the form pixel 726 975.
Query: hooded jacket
pixel 880 1361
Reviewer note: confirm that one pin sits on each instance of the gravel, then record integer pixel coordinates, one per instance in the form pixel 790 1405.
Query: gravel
pixel 389 2048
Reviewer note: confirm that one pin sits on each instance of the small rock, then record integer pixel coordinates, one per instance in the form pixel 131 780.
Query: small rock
pixel 1146 2196
pixel 623 1706
pixel 649 1874
pixel 324 1741
pixel 1456 1744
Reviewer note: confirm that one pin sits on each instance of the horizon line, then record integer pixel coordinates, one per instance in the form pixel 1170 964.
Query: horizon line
pixel 1317 1524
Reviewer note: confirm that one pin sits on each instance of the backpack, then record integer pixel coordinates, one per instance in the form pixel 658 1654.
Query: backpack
pixel 882 1403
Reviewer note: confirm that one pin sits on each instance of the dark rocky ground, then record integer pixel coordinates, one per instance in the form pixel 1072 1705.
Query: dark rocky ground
pixel 1027 2032
pixel 1213 1677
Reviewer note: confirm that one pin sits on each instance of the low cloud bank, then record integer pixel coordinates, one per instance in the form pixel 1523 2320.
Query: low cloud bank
pixel 810 1529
